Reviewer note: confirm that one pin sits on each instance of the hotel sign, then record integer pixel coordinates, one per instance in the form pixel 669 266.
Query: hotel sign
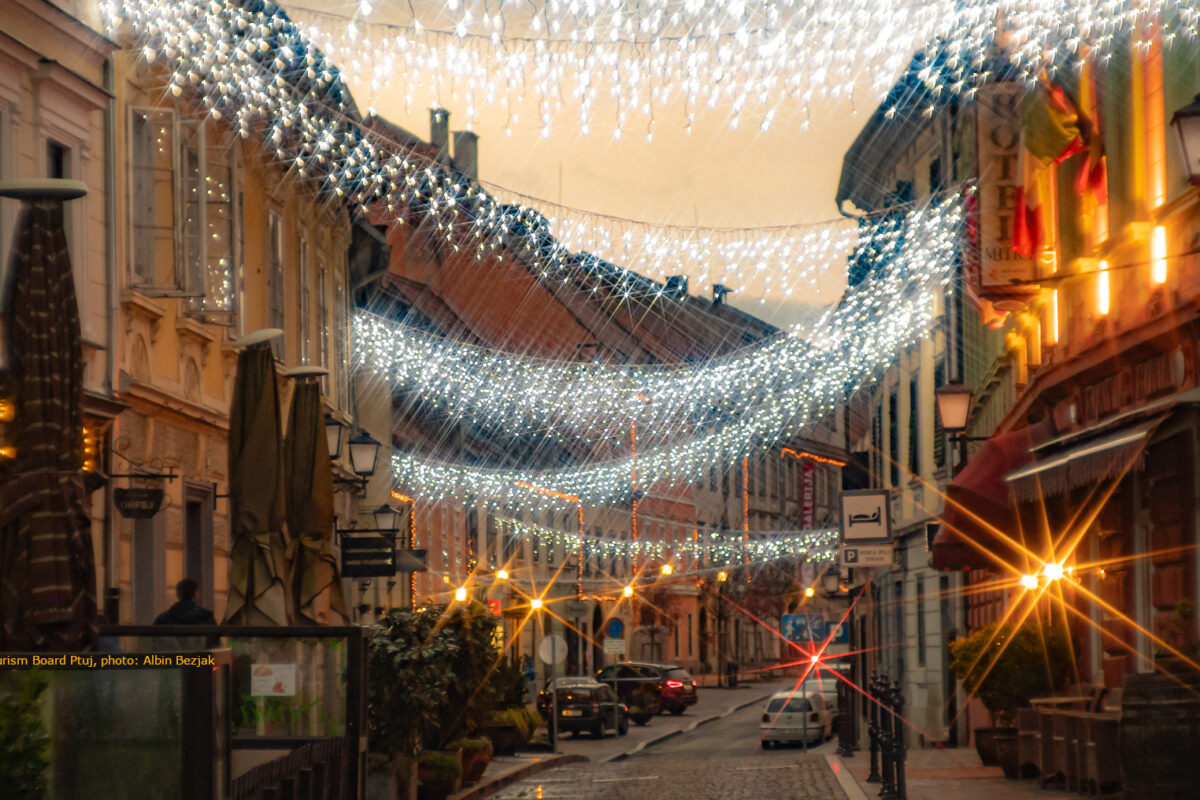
pixel 998 143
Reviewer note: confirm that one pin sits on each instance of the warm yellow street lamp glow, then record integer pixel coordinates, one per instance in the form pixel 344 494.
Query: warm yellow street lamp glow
pixel 1052 571
pixel 460 594
pixel 627 591
pixel 667 569
pixel 722 576
pixel 809 592
pixel 502 574
pixel 535 603
pixel 1029 581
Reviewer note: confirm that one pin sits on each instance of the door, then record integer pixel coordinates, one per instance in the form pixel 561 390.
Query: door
pixel 149 570
pixel 198 541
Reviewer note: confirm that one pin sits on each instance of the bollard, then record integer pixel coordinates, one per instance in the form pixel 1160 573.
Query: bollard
pixel 873 730
pixel 845 720
pixel 887 790
pixel 897 696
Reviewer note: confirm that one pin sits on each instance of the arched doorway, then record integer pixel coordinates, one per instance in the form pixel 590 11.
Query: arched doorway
pixel 597 649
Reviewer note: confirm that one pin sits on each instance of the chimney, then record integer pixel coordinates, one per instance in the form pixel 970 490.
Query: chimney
pixel 466 153
pixel 719 292
pixel 439 132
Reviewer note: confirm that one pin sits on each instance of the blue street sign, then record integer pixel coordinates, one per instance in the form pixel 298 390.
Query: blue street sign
pixel 816 626
pixel 615 629
pixel 794 627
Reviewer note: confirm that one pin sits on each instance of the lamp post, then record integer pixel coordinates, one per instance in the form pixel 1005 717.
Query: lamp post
pixel 954 409
pixel 722 576
pixel 1186 123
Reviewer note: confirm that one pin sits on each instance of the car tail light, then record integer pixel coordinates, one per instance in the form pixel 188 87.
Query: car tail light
pixel 595 707
pixel 766 717
pixel 674 684
pixel 815 717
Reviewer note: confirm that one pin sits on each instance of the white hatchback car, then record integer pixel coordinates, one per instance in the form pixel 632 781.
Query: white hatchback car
pixel 791 716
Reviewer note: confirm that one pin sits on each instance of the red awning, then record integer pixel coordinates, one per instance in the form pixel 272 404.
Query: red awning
pixel 978 505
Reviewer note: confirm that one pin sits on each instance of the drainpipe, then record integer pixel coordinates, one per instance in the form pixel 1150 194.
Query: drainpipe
pixel 110 352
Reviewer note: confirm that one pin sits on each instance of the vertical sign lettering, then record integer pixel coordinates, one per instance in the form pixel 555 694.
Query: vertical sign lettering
pixel 807 494
pixel 998 128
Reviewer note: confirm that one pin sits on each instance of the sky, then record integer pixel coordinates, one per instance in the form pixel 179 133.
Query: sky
pixel 711 177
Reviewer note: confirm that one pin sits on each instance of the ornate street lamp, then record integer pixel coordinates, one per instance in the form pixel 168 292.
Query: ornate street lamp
pixel 387 519
pixel 333 436
pixel 1186 123
pixel 954 406
pixel 364 453
pixel 830 581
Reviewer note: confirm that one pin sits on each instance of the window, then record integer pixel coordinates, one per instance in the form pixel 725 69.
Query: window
pixel 275 295
pixel 712 477
pixel 795 705
pixel 209 234
pixel 58 160
pixel 152 199
pixel 939 437
pixel 1116 110
pixel 898 613
pixel 1181 82
pixel 323 320
pixel 893 453
pixel 689 635
pixel 341 350
pixel 305 326
pixel 914 432
pixel 920 622
pixel 935 176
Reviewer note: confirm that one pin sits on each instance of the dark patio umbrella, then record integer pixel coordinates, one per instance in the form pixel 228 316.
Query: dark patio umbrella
pixel 316 586
pixel 47 572
pixel 257 567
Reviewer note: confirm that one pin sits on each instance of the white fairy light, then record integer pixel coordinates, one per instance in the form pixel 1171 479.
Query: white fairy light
pixel 737 58
pixel 710 548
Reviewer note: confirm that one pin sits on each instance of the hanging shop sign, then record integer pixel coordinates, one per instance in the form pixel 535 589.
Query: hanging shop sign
pixel 998 127
pixel 368 557
pixel 807 493
pixel 866 517
pixel 138 503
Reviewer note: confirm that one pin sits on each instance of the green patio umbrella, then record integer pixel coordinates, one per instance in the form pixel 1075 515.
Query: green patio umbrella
pixel 316 586
pixel 257 564
pixel 47 569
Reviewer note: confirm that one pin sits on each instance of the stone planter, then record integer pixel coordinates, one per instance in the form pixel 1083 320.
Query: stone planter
pixel 985 746
pixel 475 761
pixel 1006 752
pixel 439 774
pixel 390 779
pixel 506 739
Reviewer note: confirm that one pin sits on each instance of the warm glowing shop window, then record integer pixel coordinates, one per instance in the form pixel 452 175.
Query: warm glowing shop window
pixel 1103 297
pixel 1158 256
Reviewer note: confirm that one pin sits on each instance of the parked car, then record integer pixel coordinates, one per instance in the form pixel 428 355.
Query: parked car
pixel 585 705
pixel 649 689
pixel 793 717
pixel 825 685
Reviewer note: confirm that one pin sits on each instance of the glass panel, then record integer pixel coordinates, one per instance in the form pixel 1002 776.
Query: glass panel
pixel 152 199
pixel 114 733
pixel 218 287
pixel 192 135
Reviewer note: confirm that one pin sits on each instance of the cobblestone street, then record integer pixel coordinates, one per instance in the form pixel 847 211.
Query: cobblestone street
pixel 718 761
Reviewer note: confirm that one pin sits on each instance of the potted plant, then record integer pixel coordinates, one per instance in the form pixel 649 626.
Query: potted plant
pixel 511 728
pixel 1005 667
pixel 24 742
pixel 439 773
pixel 476 755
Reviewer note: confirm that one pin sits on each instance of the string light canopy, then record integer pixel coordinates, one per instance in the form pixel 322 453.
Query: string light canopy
pixel 789 379
pixel 744 60
pixel 804 380
pixel 712 549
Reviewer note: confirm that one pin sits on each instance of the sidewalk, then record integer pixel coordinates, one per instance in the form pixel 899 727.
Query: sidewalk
pixel 940 774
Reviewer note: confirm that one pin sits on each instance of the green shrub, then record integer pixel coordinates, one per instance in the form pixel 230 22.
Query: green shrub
pixel 508 682
pixel 428 675
pixel 23 738
pixel 1017 665
pixel 445 766
pixel 472 747
pixel 525 719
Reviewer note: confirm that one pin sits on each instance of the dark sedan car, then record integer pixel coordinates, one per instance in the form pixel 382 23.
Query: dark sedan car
pixel 650 687
pixel 585 705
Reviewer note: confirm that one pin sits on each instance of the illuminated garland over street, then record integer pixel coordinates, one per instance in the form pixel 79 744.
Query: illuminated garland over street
pixel 522 394
pixel 806 379
pixel 742 59
pixel 713 549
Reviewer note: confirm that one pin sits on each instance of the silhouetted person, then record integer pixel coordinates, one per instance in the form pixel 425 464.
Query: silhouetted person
pixel 186 611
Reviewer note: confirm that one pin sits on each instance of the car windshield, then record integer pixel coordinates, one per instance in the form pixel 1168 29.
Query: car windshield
pixel 679 675
pixel 796 705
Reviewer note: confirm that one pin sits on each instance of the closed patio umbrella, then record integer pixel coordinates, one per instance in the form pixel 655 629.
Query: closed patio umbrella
pixel 257 565
pixel 313 577
pixel 47 569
